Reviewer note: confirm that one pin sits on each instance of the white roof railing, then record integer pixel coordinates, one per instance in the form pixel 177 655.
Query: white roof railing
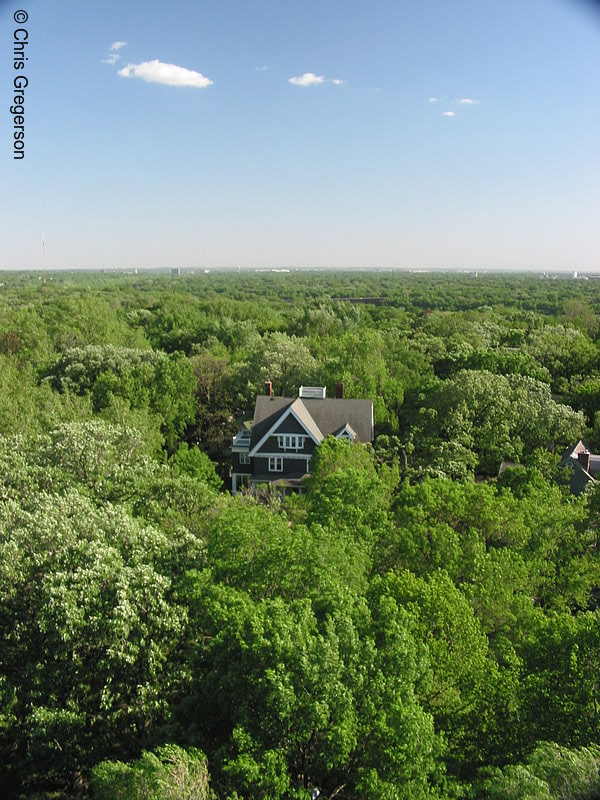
pixel 313 392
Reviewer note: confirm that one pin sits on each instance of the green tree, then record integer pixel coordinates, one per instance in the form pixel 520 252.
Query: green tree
pixel 193 462
pixel 28 407
pixel 284 702
pixel 559 689
pixel 169 773
pixel 349 491
pixel 478 419
pixel 357 358
pixel 146 379
pixel 215 425
pixel 564 351
pixel 285 360
pixel 551 772
pixel 460 690
pixel 90 637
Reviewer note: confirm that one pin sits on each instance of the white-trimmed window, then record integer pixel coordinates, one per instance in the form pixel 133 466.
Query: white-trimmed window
pixel 290 441
pixel 244 458
pixel 275 464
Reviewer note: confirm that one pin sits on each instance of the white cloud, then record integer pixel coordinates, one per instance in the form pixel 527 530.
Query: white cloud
pixel 157 72
pixel 308 79
pixel 433 99
pixel 449 114
pixel 467 101
pixel 113 55
pixel 338 82
pixel 264 68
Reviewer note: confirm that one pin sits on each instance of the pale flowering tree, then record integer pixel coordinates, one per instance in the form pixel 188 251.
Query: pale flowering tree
pixel 90 635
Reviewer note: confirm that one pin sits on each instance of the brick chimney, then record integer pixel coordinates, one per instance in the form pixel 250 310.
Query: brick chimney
pixel 339 390
pixel 268 388
pixel 584 460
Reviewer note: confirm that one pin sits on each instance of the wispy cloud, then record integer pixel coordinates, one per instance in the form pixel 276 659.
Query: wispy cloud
pixel 433 100
pixel 308 79
pixel 262 68
pixel 169 74
pixel 449 114
pixel 468 101
pixel 114 56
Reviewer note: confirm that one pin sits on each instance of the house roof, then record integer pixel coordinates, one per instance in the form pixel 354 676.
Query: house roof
pixel 302 415
pixel 267 412
pixel 594 465
pixel 581 476
pixel 348 429
pixel 321 417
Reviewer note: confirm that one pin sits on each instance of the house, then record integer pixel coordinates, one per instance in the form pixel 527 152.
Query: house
pixel 276 449
pixel 585 466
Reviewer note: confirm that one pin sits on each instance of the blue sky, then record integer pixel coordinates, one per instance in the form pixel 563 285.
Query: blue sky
pixel 457 134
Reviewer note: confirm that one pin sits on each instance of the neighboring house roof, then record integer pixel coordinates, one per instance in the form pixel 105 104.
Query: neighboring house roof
pixel 320 417
pixel 594 467
pixel 585 465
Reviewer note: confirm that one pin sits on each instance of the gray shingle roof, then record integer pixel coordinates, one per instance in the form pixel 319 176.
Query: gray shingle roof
pixel 266 413
pixel 332 414
pixel 346 427
pixel 329 415
pixel 300 410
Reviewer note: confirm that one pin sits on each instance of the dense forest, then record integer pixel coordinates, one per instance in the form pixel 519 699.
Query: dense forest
pixel 419 624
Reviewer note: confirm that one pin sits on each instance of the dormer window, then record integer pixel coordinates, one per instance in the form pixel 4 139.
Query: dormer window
pixel 346 433
pixel 290 441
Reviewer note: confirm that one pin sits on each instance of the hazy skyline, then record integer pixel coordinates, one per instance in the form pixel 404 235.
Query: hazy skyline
pixel 322 134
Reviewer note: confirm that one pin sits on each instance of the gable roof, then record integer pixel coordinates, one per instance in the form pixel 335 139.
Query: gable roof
pixel 304 418
pixel 320 417
pixel 299 412
pixel 348 429
pixel 581 476
pixel 267 413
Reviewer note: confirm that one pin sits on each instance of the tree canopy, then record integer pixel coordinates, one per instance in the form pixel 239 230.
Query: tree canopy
pixel 422 622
